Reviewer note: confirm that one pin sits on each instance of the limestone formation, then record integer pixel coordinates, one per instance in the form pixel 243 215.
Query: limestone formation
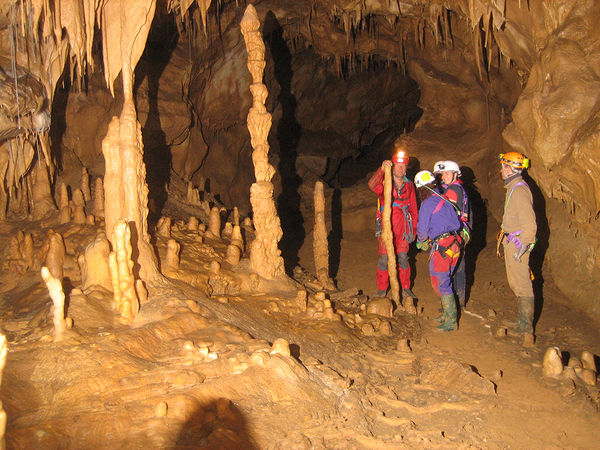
pixel 93 264
pixel 403 346
pixel 42 200
pixel 227 229
pixel 214 223
pixel 192 224
pixel 236 216
pixel 163 227
pixel 85 185
pixel 126 191
pixel 173 248
pixel 63 196
pixel 380 307
pixel 99 197
pixel 233 254
pixel 57 295
pixel 3 353
pixel 265 256
pixel 28 252
pixel 588 360
pixel 588 376
pixel 193 195
pixel 121 270
pixel 237 238
pixel 280 347
pixel 55 258
pixel 320 244
pixel 552 365
pixel 388 237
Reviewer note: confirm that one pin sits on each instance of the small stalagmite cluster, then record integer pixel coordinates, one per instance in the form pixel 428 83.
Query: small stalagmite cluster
pixel 583 368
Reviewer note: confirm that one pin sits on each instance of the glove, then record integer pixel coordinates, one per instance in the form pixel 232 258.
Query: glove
pixel 424 246
pixel 520 252
pixel 465 235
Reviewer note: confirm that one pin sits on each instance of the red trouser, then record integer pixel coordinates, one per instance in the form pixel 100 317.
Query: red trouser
pixel 401 264
pixel 442 264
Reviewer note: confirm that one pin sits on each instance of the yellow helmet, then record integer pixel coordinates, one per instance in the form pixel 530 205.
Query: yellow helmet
pixel 514 159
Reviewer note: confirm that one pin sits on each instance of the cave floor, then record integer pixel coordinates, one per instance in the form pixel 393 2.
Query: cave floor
pixel 207 371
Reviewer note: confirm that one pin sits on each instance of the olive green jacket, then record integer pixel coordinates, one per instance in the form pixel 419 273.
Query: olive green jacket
pixel 518 210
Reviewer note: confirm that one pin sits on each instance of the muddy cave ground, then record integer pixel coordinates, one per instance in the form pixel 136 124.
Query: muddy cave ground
pixel 209 371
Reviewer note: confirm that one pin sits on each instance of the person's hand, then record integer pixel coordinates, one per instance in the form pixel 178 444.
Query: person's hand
pixel 423 246
pixel 520 252
pixel 387 163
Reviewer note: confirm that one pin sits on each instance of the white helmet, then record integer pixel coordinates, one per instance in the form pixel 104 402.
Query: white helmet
pixel 450 166
pixel 423 178
pixel 438 167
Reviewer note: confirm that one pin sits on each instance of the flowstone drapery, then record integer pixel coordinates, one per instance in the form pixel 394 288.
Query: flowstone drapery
pixel 265 256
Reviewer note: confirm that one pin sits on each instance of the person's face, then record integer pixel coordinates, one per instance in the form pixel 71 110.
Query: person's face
pixel 506 171
pixel 399 170
pixel 447 177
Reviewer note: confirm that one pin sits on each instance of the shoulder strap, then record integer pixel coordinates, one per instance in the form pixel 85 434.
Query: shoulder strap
pixel 520 183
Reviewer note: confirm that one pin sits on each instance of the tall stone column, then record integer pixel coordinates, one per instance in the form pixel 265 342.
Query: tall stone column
pixel 265 256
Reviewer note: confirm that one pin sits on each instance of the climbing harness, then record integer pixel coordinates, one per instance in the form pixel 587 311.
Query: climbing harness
pixel 407 234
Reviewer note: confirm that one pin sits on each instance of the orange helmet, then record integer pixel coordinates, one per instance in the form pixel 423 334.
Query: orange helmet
pixel 401 157
pixel 514 159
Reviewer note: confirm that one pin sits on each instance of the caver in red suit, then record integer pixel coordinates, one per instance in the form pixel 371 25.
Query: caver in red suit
pixel 404 221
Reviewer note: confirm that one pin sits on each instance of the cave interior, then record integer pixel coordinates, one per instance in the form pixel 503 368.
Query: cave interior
pixel 187 233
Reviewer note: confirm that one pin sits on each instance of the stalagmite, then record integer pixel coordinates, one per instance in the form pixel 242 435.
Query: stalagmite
pixel 236 216
pixel 265 256
pixel 43 202
pixel 588 360
pixel 124 31
pixel 320 244
pixel 78 207
pixel 227 229
pixel 233 254
pixel 236 237
pixel 85 185
pixel 193 195
pixel 552 365
pixel 164 227
pixel 121 265
pixel 280 347
pixel 64 196
pixel 93 264
pixel 55 258
pixel 192 224
pixel 99 197
pixel 3 353
pixel 173 248
pixel 214 223
pixel 388 237
pixel 58 299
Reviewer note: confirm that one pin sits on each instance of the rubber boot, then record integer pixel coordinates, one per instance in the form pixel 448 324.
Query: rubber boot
pixel 525 307
pixel 381 293
pixel 449 308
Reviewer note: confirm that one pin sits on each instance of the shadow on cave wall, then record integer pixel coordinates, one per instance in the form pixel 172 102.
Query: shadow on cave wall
pixel 288 134
pixel 536 259
pixel 479 228
pixel 218 424
pixel 157 153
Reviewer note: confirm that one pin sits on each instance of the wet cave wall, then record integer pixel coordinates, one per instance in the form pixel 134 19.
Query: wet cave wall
pixel 465 80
